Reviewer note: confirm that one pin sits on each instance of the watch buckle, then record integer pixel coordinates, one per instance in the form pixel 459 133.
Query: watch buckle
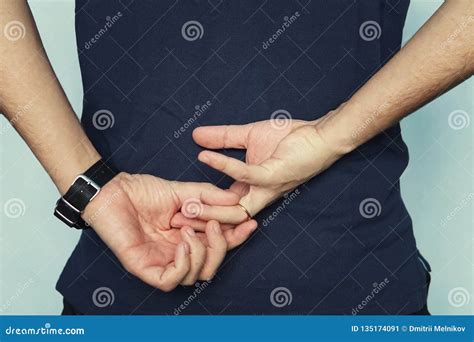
pixel 89 182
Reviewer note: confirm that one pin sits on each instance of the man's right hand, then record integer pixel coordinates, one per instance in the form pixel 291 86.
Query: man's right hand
pixel 132 215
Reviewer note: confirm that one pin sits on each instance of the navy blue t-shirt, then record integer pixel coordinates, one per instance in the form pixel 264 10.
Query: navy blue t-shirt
pixel 152 71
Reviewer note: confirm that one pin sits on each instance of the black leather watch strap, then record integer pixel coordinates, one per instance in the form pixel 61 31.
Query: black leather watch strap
pixel 84 188
pixel 101 172
pixel 88 185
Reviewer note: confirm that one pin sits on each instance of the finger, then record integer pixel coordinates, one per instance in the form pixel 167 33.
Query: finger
pixel 240 188
pixel 228 136
pixel 216 250
pixel 203 238
pixel 179 220
pixel 205 192
pixel 237 169
pixel 235 237
pixel 197 255
pixel 167 278
pixel 226 214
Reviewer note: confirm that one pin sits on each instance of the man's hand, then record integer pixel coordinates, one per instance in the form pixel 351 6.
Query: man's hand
pixel 132 216
pixel 279 157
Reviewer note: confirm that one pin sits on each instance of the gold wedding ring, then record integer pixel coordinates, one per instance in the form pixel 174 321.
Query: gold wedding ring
pixel 245 211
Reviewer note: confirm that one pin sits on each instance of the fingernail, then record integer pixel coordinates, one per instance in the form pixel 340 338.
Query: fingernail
pixel 204 158
pixel 190 232
pixel 255 227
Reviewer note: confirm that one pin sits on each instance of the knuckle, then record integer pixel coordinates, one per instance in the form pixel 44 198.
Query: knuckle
pixel 245 176
pixel 200 250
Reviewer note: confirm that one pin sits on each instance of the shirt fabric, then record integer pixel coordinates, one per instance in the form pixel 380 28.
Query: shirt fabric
pixel 152 71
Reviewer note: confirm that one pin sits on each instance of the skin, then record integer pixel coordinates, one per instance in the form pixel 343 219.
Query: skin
pixel 279 159
pixel 430 64
pixel 132 214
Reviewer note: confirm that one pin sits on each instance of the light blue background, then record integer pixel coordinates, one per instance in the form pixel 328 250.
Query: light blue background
pixel 438 183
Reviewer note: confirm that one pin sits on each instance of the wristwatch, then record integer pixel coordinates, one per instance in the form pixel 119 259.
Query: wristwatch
pixel 83 190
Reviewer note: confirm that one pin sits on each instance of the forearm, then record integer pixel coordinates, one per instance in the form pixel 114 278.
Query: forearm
pixel 438 57
pixel 35 104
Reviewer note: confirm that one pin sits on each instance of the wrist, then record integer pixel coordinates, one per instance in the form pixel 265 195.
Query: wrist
pixel 87 186
pixel 82 158
pixel 108 194
pixel 338 135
